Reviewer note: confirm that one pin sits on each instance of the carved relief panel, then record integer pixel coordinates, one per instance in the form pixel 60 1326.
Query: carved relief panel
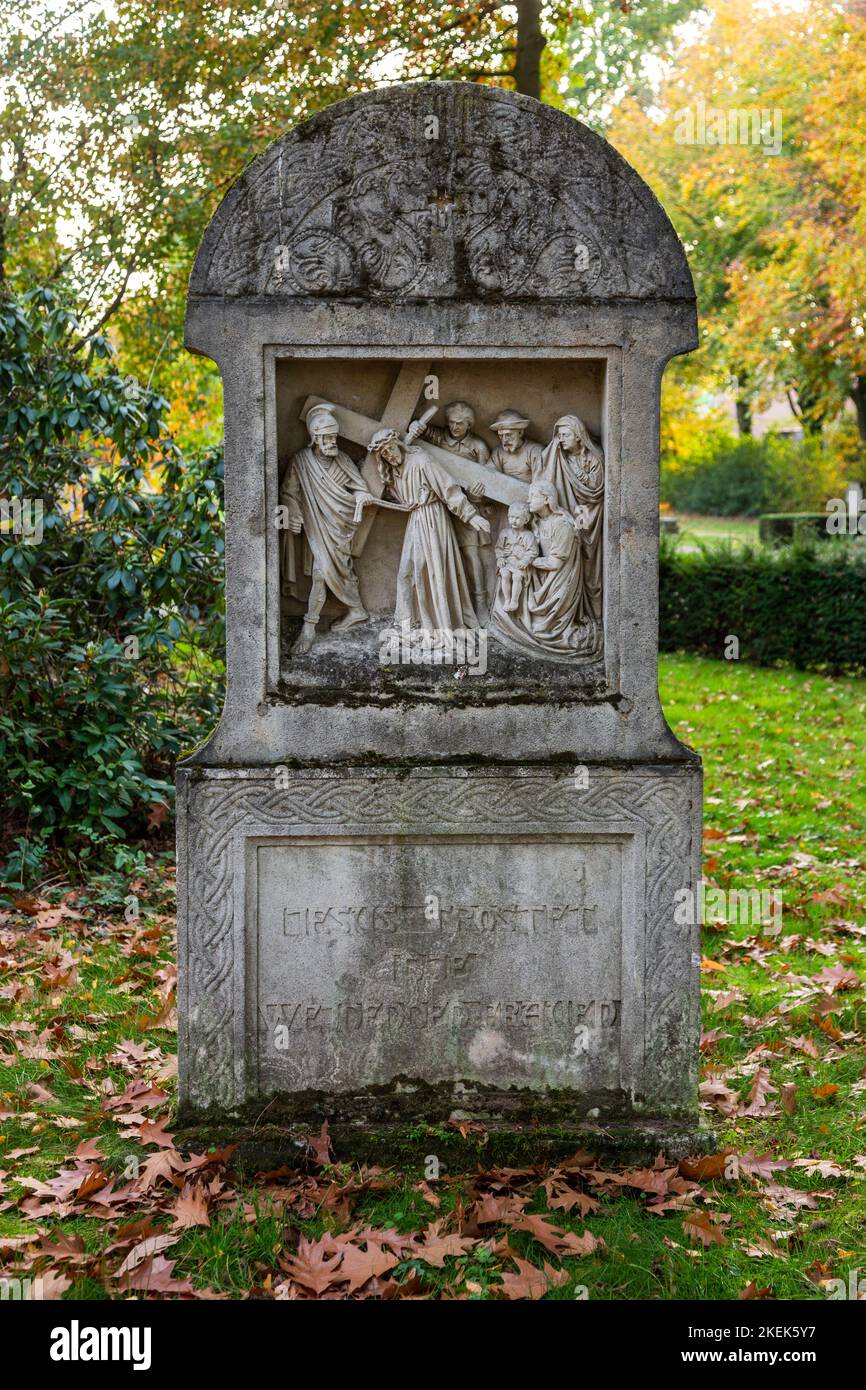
pixel 435 192
pixel 440 497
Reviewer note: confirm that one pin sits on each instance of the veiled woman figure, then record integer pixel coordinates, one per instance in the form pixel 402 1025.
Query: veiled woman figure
pixel 575 466
pixel 547 620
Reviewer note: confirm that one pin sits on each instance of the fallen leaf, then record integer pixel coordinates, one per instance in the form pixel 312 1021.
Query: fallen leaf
pixel 530 1282
pixel 154 1275
pixel 698 1226
pixel 191 1208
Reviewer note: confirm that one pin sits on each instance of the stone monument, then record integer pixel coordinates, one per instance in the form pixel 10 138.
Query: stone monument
pixel 430 859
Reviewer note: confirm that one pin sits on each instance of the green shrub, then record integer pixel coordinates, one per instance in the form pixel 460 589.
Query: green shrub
pixel 111 625
pixel 730 476
pixel 803 605
pixel 784 528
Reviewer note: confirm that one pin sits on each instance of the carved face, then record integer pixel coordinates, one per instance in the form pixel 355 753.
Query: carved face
pixel 511 439
pixel 326 442
pixel 538 502
pixel 518 516
pixel 567 437
pixel 391 453
pixel 458 424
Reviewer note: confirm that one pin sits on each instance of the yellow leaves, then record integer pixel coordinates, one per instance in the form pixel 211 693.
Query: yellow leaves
pixel 776 239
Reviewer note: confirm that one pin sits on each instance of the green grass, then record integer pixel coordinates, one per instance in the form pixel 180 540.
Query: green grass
pixel 785 807
pixel 697 531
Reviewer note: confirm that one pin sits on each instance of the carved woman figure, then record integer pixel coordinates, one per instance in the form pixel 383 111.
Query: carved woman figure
pixel 575 466
pixel 547 621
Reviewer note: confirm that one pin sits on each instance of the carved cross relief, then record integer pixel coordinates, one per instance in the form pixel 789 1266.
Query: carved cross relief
pixel 544 597
pixel 397 415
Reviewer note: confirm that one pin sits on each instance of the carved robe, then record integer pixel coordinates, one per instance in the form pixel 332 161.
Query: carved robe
pixel 515 549
pixel 323 491
pixel 579 482
pixel 431 582
pixel 525 464
pixel 546 621
pixel 471 446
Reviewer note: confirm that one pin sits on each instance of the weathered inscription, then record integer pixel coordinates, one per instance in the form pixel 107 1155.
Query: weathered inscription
pixel 459 1013
pixel 368 951
pixel 423 920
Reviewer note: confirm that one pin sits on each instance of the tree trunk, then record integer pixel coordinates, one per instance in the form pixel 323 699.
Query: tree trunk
pixel 810 411
pixel 744 414
pixel 858 396
pixel 530 42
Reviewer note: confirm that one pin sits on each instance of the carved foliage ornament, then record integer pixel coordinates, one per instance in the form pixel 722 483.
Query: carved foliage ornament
pixel 438 191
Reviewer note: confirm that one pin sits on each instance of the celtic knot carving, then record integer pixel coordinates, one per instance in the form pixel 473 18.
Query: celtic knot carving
pixel 219 809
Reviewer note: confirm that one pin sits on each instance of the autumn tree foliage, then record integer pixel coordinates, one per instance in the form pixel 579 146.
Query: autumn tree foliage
pixel 122 126
pixel 776 240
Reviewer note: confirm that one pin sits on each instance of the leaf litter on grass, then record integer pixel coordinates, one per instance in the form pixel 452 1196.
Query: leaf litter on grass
pixel 97 1200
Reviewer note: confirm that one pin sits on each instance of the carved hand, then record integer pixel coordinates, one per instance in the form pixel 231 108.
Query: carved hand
pixel 477 490
pixel 295 523
pixel 480 523
pixel 416 428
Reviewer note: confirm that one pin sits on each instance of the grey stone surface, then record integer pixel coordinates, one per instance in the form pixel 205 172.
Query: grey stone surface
pixel 441 191
pixel 279 902
pixel 546 809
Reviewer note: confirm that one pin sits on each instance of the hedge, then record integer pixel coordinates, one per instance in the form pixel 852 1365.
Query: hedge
pixel 781 528
pixel 803 605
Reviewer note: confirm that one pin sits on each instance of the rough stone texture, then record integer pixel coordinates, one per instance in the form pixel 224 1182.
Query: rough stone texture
pixel 359 242
pixel 441 191
pixel 246 969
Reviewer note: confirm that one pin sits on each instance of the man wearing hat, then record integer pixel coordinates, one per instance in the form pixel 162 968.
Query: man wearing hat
pixel 515 455
pixel 319 491
pixel 457 436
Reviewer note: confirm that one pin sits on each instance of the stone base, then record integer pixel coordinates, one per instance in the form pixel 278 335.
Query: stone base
pixel 357 665
pixel 266 1147
pixel 386 946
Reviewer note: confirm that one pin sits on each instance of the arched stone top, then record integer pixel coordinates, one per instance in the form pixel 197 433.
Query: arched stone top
pixel 441 191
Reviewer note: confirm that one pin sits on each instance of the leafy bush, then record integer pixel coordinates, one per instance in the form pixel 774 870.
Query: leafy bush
pixel 784 528
pixel 111 625
pixel 802 604
pixel 728 476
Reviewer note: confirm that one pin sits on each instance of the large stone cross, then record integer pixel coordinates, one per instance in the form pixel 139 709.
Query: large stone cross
pixel 397 416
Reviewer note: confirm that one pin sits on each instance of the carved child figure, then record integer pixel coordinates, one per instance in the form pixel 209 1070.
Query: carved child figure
pixel 516 548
